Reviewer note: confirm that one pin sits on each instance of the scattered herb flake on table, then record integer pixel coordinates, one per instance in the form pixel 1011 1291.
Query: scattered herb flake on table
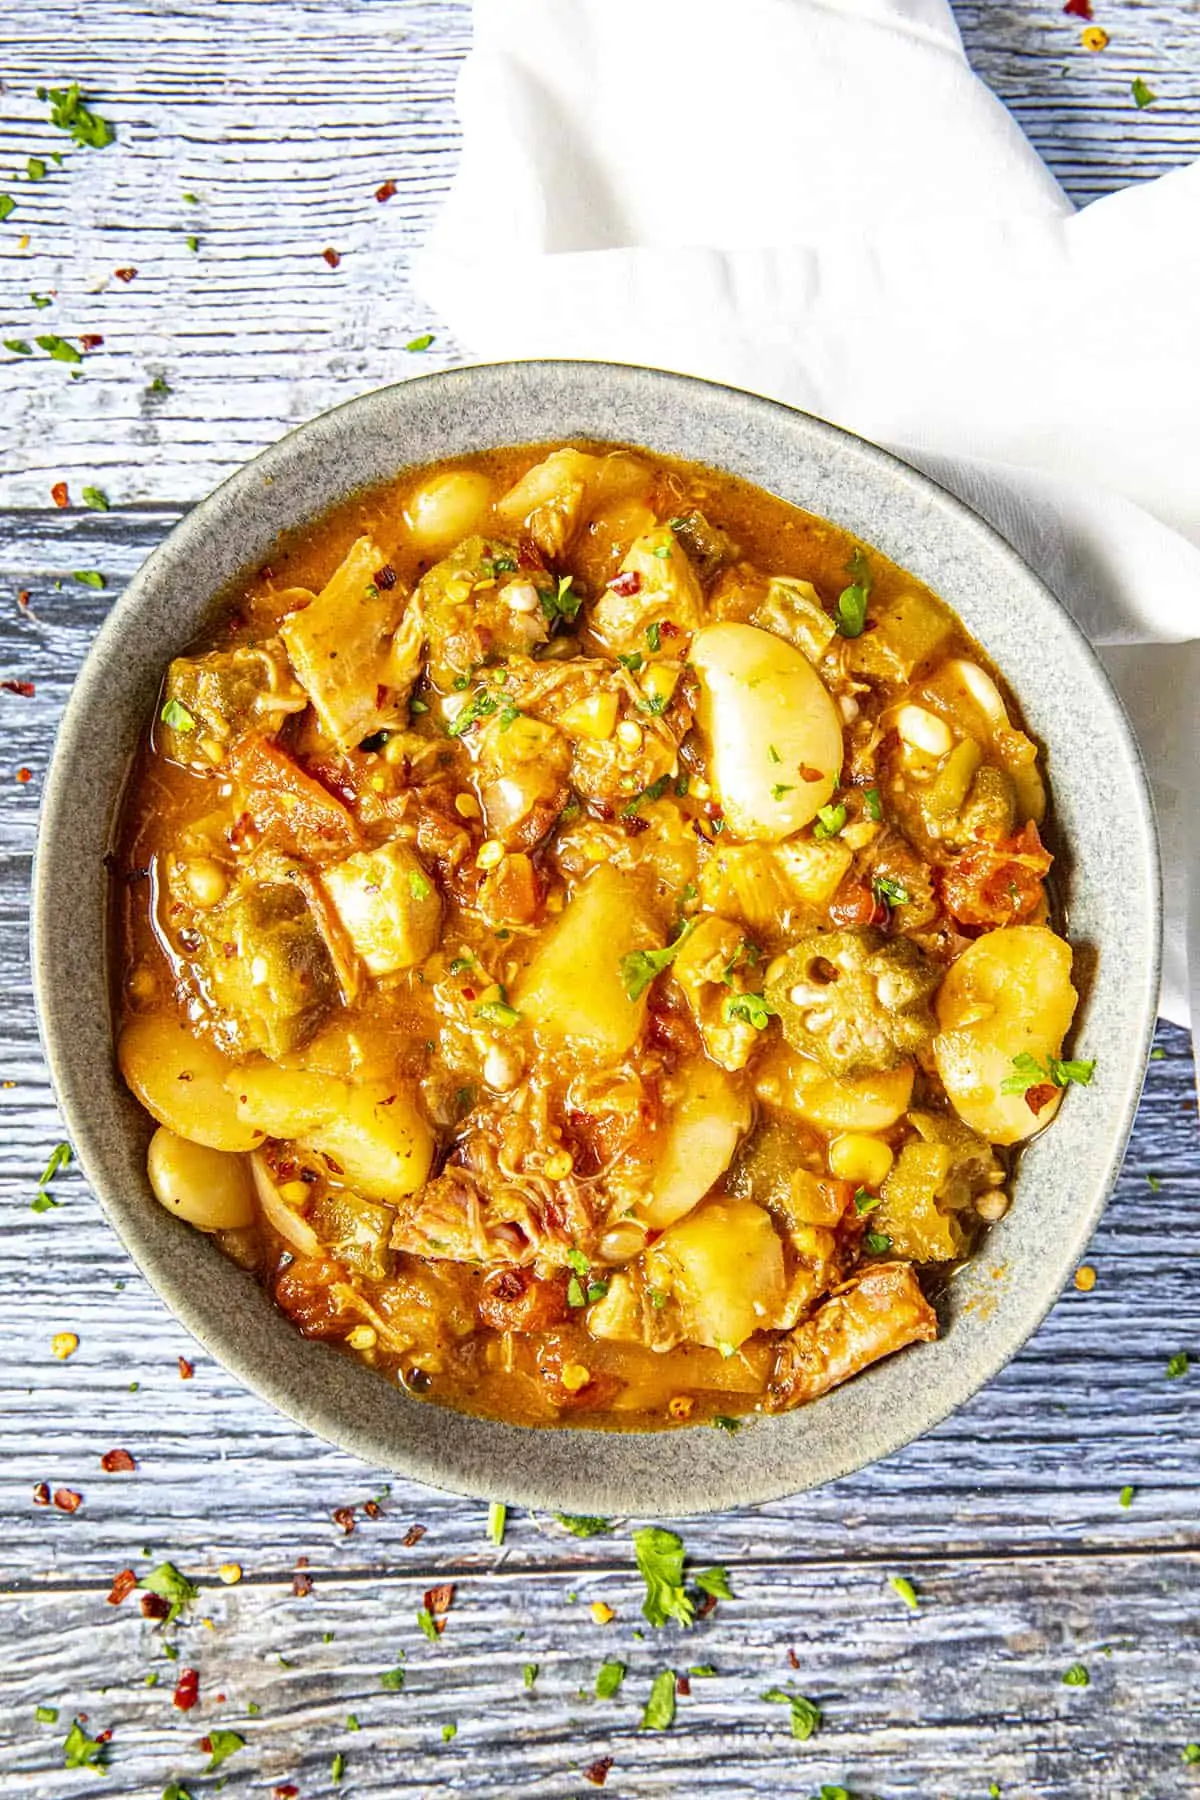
pixel 221 1746
pixel 18 346
pixel 659 1556
pixel 88 578
pixel 806 1714
pixel 659 1711
pixel 95 499
pixel 392 1680
pixel 80 1751
pixel 900 1584
pixel 609 1679
pixel 46 1715
pixel 8 206
pixel 69 111
pixel 449 1732
pixel 167 1582
pixel 420 343
pixel 497 1511
pixel 584 1525
pixel 529 1674
pixel 1190 1753
pixel 1125 1498
pixel 338 1766
pixel 1178 1365
pixel 1076 1676
pixel 58 348
pixel 1142 95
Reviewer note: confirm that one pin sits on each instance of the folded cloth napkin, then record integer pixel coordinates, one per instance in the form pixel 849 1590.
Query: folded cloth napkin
pixel 816 199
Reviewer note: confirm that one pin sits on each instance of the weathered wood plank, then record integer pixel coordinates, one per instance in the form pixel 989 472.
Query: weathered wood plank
pixel 966 1691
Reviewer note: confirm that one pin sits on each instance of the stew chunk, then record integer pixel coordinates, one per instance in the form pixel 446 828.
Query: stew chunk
pixel 268 968
pixel 854 1000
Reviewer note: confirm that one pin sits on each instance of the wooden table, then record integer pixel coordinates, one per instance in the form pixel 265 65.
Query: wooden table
pixel 283 119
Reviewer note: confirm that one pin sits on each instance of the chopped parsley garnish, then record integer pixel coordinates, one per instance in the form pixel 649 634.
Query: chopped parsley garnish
pixel 657 1298
pixel 160 385
pixel 780 789
pixel 850 614
pixel 337 1767
pixel 723 1422
pixel 829 821
pixel 575 1293
pixel 715 1583
pixel 1125 1497
pixel 562 602
pixel 175 1791
pixel 633 661
pixel 352 1723
pixel 193 244
pixel 192 199
pixel 1029 1072
pixel 497 1516
pixel 749 1009
pixel 900 1584
pixel 659 1711
pixel 662 550
pixel 584 1525
pixel 529 1674
pixel 1076 1676
pixel 8 206
pixel 88 577
pixel 392 1680
pixel 660 1560
pixel 428 1625
pixel 481 705
pixel 449 1732
pixel 1142 95
pixel 18 346
pixel 1178 1365
pixel 46 1715
pixel 96 499
pixel 596 1291
pixel 865 1202
pixel 59 349
pixel 773 753
pixel 1154 1184
pixel 654 632
pixel 167 1582
pixel 609 1679
pixel 497 1012
pixel 878 1243
pixel 60 1158
pixel 890 891
pixel 35 169
pixel 80 1751
pixel 640 967
pixel 509 715
pixel 806 1714
pixel 871 804
pixel 419 885
pixel 1190 1754
pixel 70 112
pixel 420 343
pixel 655 791
pixel 176 715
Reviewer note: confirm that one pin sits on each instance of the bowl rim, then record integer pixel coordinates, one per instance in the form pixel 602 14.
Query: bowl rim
pixel 728 1481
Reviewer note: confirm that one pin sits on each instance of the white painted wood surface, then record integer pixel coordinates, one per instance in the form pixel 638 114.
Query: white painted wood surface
pixel 284 117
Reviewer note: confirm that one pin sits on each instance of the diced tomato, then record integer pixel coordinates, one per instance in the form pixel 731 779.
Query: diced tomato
pixel 1000 883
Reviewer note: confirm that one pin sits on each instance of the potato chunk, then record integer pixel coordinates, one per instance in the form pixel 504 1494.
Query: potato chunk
pixel 180 1080
pixel 774 734
pixel 723 1265
pixel 1009 994
pixel 373 1135
pixel 704 1127
pixel 388 904
pixel 268 967
pixel 572 992
pixel 854 1000
pixel 339 645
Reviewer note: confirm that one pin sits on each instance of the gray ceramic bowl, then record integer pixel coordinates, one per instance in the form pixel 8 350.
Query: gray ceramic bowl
pixel 1103 813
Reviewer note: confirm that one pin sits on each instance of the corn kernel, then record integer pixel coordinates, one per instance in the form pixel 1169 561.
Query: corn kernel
pixel 363 1337
pixel 594 717
pixel 206 881
pixel 680 1406
pixel 64 1344
pixel 1085 1278
pixel 491 853
pixel 394 751
pixel 230 1573
pixel 575 1376
pixel 660 681
pixel 629 735
pixel 602 1613
pixel 597 851
pixel 701 790
pixel 857 1156
pixel 295 1193
pixel 466 806
pixel 378 784
pixel 559 1165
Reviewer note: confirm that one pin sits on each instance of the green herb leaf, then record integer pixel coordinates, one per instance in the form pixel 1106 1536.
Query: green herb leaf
pixel 865 1203
pixel 497 1012
pixel 420 343
pixel 70 112
pixel 1178 1365
pixel 46 1715
pixel 193 244
pixel 632 662
pixel 657 1298
pixel 18 346
pixel 584 1525
pixel 878 1243
pixel 88 578
pixel 80 1751
pixel 426 1621
pixel 60 1158
pixel 352 1723
pixel 750 1009
pixel 449 1732
pixel 609 1679
pixel 174 1791
pixel 497 1516
pixel 891 892
pixel 660 1560
pixel 575 1294
pixel 659 1711
pixel 702 1670
pixel 176 715
pixel 59 349
pixel 780 789
pixel 872 805
pixel 640 967
pixel 850 613
pixel 529 1674
pixel 723 1422
pixel 338 1766
pixel 562 602
pixel 829 821
pixel 654 632
pixel 773 753
pixel 1029 1072
pixel 806 1714
pixel 160 385
pixel 419 885
pixel 1154 1184
pixel 1076 1676
pixel 1125 1497
pixel 900 1584
pixel 1142 95
pixel 596 1291
pixel 167 1582
pixel 35 169
pixel 392 1680
pixel 8 206
pixel 715 1582
pixel 655 791
pixel 1190 1754
pixel 43 1202
pixel 96 499
pixel 192 199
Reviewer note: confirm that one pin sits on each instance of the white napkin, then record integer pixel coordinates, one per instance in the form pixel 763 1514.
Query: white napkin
pixel 816 199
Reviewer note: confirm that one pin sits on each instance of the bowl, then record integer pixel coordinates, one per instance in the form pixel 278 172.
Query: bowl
pixel 1110 883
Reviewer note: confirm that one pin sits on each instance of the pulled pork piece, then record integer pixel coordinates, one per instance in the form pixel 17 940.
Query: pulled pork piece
pixel 881 1311
pixel 706 967
pixel 340 646
pixel 480 1212
pixel 856 1001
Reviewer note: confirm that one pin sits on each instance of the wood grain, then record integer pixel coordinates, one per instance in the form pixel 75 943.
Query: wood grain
pixel 284 118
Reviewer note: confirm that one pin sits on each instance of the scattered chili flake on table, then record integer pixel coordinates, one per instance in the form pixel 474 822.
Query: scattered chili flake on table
pixel 386 191
pixel 155 1606
pixel 59 494
pixel 302 1584
pixel 287 1790
pixel 344 1516
pixel 124 274
pixel 186 1369
pixel 372 1509
pixel 115 1462
pixel 793 1659
pixel 597 1772
pixel 24 775
pixel 91 340
pixel 1094 37
pixel 332 257
pixel 63 1343
pixel 187 1689
pixel 67 1500
pixel 1085 1278
pixel 1079 9
pixel 23 597
pixel 438 1600
pixel 41 1494
pixel 26 689
pixel 413 1535
pixel 124 1582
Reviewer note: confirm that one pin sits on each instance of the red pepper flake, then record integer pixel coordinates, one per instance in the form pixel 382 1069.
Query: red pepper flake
pixel 385 577
pixel 59 494
pixel 287 1790
pixel 332 257
pixel 438 1600
pixel 667 628
pixel 26 689
pixel 23 597
pixel 124 274
pixel 1079 9
pixel 41 1494
pixel 91 340
pixel 413 1535
pixel 372 1509
pixel 24 775
pixel 302 1584
pixel 186 1369
pixel 67 1500
pixel 187 1689
pixel 385 192
pixel 626 585
pixel 117 1462
pixel 706 1606
pixel 344 1516
pixel 597 1772
pixel 154 1606
pixel 1039 1097
pixel 102 1737
pixel 793 1659
pixel 124 1582
pixel 807 774
pixel 683 1685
